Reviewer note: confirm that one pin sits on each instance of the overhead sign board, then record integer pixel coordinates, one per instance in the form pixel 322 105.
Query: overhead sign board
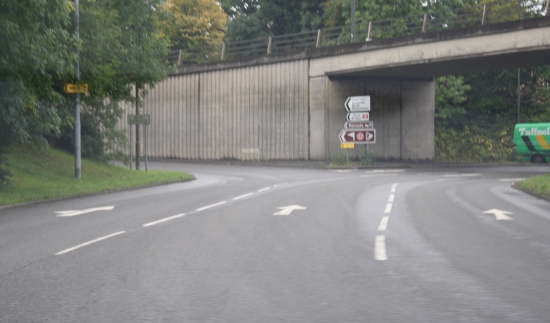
pixel 358 116
pixel 358 103
pixel 76 88
pixel 359 125
pixel 347 145
pixel 139 119
pixel 358 136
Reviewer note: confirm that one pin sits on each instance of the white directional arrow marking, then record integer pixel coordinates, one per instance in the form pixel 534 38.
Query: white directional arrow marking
pixel 79 212
pixel 499 214
pixel 286 210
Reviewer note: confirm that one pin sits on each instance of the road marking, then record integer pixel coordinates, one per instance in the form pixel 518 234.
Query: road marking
pixel 163 220
pixel 286 210
pixel 211 205
pixel 343 170
pixel 392 196
pixel 388 208
pixel 383 223
pixel 393 187
pixel 79 212
pixel 499 214
pixel 264 189
pixel 511 179
pixel 462 175
pixel 241 197
pixel 377 175
pixel 89 242
pixel 385 171
pixel 380 248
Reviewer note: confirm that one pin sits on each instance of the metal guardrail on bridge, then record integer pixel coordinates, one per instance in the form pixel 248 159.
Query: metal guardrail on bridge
pixel 376 29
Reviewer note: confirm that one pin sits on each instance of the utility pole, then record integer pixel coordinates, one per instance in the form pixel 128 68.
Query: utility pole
pixel 519 71
pixel 138 143
pixel 137 127
pixel 77 169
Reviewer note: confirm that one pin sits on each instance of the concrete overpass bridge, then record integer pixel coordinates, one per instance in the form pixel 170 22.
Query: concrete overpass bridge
pixel 291 106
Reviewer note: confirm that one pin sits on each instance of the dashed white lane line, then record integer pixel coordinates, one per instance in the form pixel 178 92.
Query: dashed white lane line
pixel 388 208
pixel 384 223
pixel 380 248
pixel 392 196
pixel 163 220
pixel 89 242
pixel 211 205
pixel 393 187
pixel 462 175
pixel 511 179
pixel 264 189
pixel 242 196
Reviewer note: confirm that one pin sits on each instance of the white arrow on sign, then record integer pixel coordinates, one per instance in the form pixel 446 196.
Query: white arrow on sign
pixel 286 210
pixel 499 214
pixel 79 212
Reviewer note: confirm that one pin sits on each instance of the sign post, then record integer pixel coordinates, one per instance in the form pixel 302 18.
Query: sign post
pixel 359 129
pixel 136 119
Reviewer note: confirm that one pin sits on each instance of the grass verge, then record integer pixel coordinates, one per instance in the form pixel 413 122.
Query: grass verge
pixel 47 174
pixel 539 185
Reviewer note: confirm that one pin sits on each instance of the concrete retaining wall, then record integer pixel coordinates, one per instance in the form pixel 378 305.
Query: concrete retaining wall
pixel 230 114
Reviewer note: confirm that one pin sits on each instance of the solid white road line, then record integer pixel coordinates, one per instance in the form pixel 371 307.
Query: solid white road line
pixel 211 205
pixel 511 179
pixel 388 208
pixel 264 189
pixel 380 248
pixel 163 220
pixel 89 242
pixel 383 223
pixel 241 197
pixel 392 196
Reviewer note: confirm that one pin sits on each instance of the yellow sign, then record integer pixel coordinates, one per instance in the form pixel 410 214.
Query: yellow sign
pixel 76 88
pixel 347 145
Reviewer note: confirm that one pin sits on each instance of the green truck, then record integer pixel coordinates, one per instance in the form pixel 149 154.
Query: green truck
pixel 531 142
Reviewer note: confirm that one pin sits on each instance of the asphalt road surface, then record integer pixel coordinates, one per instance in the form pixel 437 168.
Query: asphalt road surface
pixel 267 244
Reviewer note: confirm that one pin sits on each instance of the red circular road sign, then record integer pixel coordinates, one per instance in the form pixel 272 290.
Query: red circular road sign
pixel 360 136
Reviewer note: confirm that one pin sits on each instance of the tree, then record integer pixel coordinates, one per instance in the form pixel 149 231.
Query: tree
pixel 143 46
pixel 256 19
pixel 112 58
pixel 450 94
pixel 35 52
pixel 193 23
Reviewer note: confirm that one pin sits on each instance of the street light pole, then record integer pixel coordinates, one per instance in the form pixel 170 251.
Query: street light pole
pixel 519 72
pixel 77 170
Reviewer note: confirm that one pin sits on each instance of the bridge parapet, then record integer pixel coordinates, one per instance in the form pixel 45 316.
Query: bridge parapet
pixel 430 21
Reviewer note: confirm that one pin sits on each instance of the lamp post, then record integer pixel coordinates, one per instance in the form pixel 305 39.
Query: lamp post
pixel 77 170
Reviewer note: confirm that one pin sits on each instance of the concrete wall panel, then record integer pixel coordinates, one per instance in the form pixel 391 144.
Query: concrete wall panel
pixel 216 114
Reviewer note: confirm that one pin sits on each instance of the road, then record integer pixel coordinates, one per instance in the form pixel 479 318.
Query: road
pixel 267 244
